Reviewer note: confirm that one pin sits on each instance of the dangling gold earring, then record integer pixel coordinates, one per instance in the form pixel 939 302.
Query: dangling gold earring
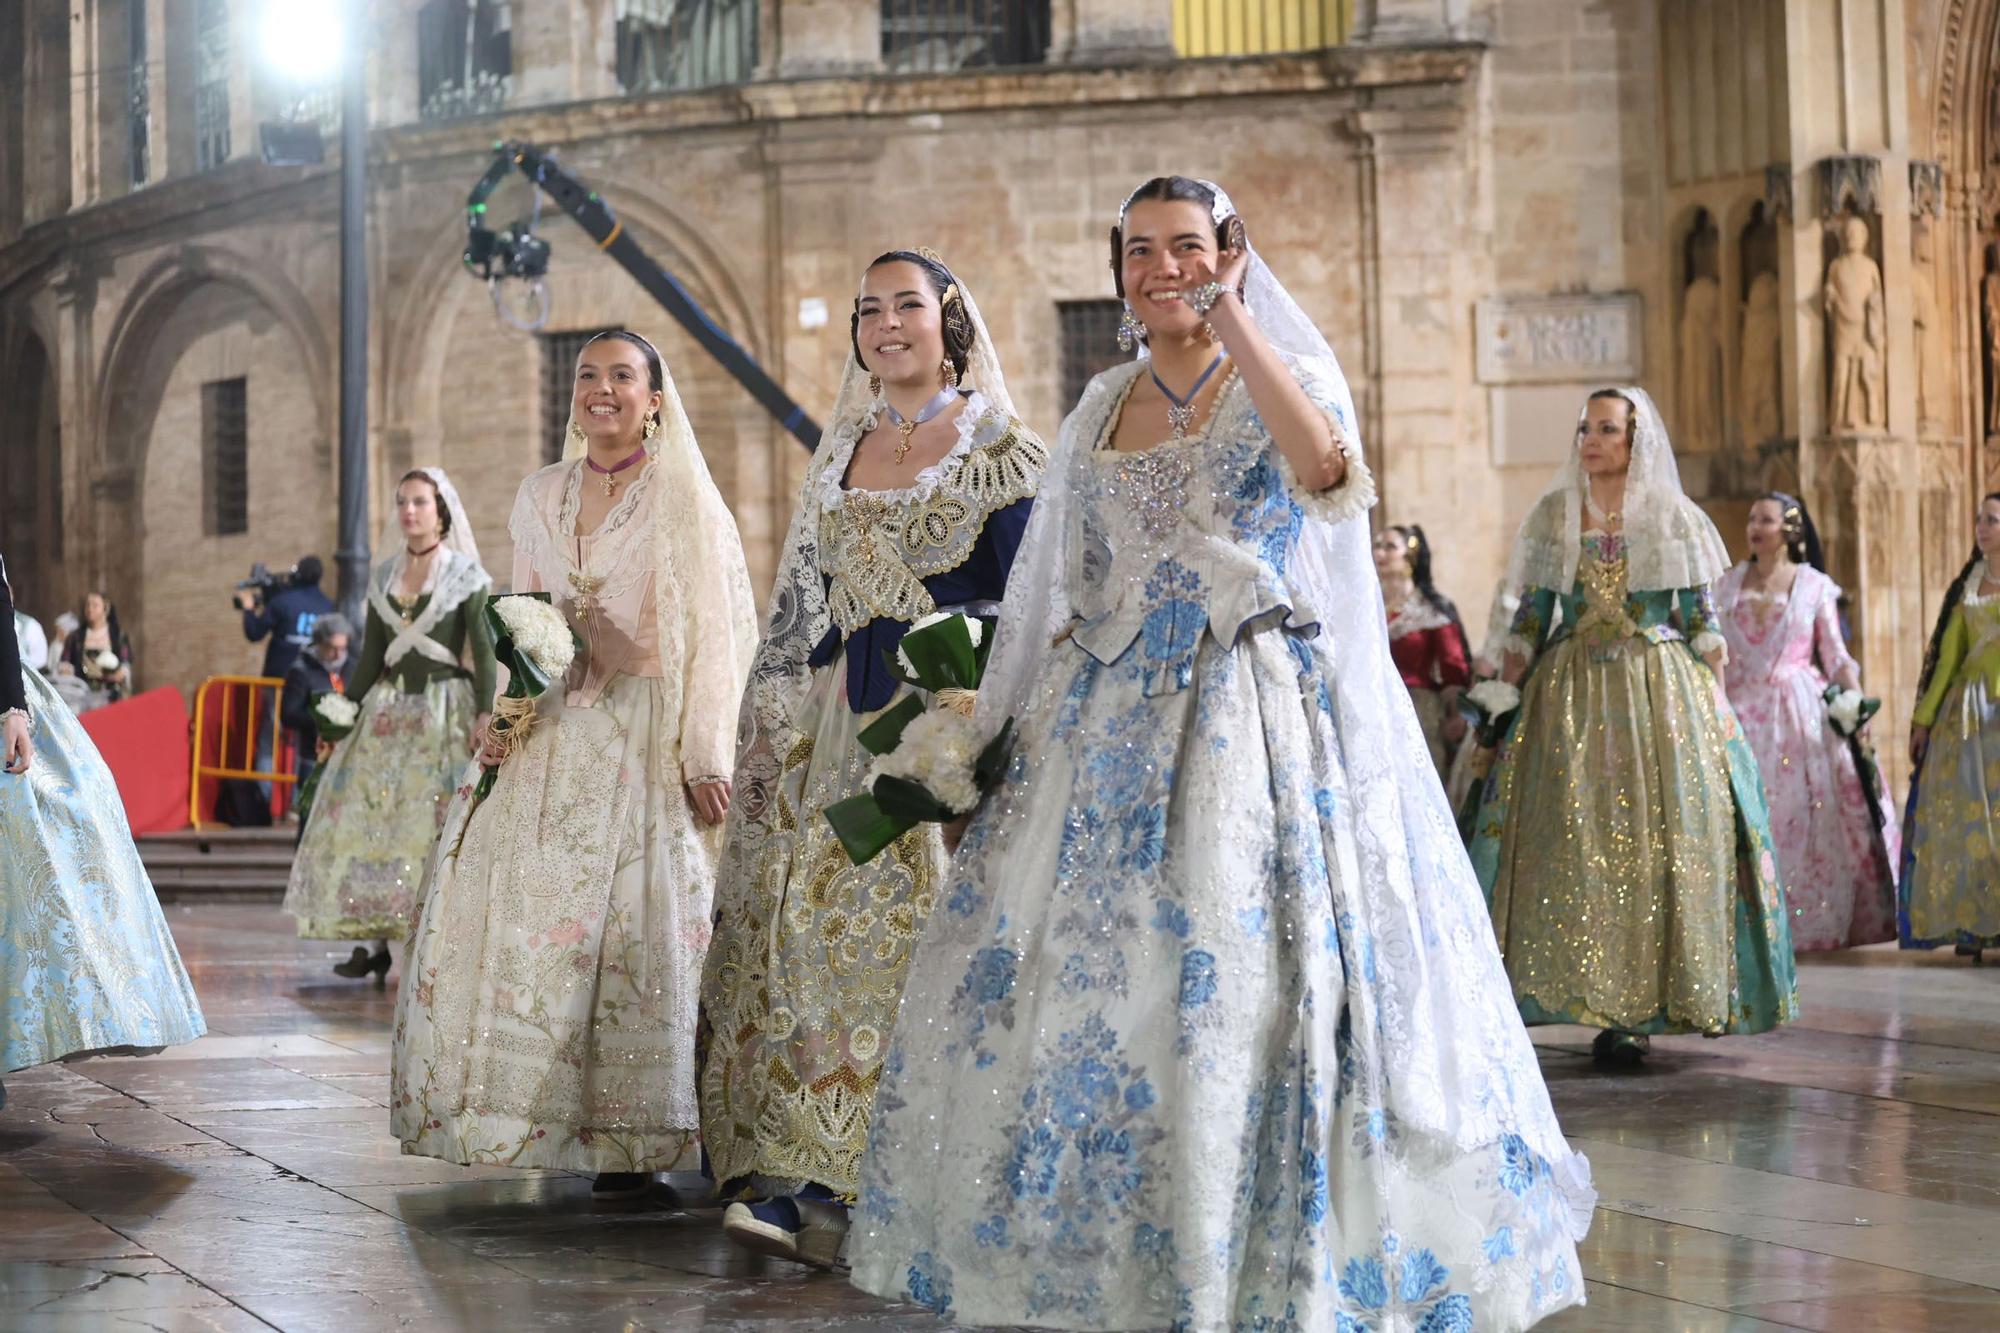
pixel 874 386
pixel 947 374
pixel 652 426
pixel 1208 333
pixel 576 432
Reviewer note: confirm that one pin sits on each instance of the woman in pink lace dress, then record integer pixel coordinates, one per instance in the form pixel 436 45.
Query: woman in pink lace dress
pixel 1836 841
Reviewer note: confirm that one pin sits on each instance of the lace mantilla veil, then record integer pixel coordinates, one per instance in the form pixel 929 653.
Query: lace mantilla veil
pixel 701 586
pixel 1669 542
pixel 449 582
pixel 1465 1072
pixel 798 617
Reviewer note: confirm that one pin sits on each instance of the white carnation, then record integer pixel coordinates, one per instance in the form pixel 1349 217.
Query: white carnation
pixel 337 710
pixel 107 660
pixel 1844 711
pixel 973 629
pixel 540 631
pixel 937 752
pixel 1495 698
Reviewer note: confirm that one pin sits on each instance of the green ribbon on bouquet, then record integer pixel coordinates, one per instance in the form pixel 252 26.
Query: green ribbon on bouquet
pixel 943 660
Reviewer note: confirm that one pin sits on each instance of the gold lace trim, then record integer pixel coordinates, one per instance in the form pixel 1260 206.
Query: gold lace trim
pixel 878 551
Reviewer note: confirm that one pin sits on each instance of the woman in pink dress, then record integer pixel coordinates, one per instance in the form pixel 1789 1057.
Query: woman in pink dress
pixel 1835 837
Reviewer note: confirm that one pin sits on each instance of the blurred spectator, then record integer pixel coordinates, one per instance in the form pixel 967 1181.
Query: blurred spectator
pixel 34 643
pixel 322 668
pixel 98 655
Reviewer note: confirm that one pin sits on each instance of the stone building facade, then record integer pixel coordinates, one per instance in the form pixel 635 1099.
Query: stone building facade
pixel 1490 206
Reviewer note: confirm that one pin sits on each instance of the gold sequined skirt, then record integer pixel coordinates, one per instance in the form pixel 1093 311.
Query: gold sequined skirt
pixel 1614 892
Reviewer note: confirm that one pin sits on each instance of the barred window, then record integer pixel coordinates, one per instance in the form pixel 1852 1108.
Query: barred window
pixel 211 85
pixel 465 57
pixel 677 45
pixel 225 441
pixel 939 36
pixel 1089 343
pixel 559 354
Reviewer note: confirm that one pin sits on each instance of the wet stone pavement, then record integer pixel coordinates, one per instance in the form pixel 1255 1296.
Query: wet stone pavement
pixel 1843 1174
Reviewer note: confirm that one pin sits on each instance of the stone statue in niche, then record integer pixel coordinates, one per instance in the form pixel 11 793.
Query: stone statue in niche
pixel 1856 332
pixel 1989 301
pixel 1700 414
pixel 1924 326
pixel 1758 416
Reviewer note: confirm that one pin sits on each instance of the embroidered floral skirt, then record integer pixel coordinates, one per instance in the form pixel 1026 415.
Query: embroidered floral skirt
pixel 86 961
pixel 375 816
pixel 1950 892
pixel 1207 1031
pixel 547 1009
pixel 806 971
pixel 1626 852
pixel 1835 862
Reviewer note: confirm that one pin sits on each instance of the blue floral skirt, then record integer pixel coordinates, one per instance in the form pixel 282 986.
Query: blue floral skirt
pixel 1209 1032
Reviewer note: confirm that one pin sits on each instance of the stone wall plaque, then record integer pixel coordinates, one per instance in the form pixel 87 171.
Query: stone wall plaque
pixel 1534 339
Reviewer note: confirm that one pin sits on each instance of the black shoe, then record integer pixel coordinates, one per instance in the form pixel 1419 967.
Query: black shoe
pixel 362 963
pixel 620 1185
pixel 1620 1050
pixel 1972 951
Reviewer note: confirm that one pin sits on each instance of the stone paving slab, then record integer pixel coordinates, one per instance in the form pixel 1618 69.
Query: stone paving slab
pixel 1841 1175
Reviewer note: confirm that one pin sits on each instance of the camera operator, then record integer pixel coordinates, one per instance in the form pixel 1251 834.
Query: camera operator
pixel 287 614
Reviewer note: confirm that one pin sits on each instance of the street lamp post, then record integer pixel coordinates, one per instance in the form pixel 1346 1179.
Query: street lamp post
pixel 351 556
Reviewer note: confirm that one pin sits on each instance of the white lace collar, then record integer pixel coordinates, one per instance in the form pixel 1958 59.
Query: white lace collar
pixel 1973 581
pixel 833 493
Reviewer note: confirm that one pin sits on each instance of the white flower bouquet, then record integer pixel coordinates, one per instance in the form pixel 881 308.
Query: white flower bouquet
pixel 1847 711
pixel 335 714
pixel 538 647
pixel 931 763
pixel 1495 702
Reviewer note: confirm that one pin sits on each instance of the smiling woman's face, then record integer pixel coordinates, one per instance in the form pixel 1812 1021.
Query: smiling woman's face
pixel 1163 243
pixel 614 394
pixel 899 324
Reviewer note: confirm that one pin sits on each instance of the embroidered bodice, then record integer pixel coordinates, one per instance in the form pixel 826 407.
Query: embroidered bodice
pixel 1191 537
pixel 1606 615
pixel 1773 634
pixel 1970 648
pixel 889 558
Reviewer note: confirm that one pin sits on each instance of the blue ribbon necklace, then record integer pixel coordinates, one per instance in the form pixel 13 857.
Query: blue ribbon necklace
pixel 908 425
pixel 1180 411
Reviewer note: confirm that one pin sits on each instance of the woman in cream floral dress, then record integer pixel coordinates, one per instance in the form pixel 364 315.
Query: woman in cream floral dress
pixel 547 1015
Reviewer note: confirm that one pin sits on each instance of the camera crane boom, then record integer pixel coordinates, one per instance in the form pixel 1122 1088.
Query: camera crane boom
pixel 519 253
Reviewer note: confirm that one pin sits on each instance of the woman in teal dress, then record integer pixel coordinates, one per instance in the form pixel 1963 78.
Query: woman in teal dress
pixel 1622 837
pixel 1950 890
pixel 87 966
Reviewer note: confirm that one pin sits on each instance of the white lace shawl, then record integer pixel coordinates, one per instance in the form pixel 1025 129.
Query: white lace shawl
pixel 1669 542
pixel 706 614
pixel 452 578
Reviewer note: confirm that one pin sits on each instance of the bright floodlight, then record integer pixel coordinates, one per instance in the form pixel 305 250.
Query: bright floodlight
pixel 301 40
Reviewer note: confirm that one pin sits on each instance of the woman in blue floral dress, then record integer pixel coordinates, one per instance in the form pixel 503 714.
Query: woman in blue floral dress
pixel 1209 1029
pixel 87 965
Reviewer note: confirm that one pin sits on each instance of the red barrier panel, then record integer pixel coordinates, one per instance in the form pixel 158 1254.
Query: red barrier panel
pixel 144 741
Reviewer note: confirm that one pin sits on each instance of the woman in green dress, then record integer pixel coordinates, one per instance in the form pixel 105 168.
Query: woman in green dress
pixel 424 680
pixel 1622 837
pixel 1950 890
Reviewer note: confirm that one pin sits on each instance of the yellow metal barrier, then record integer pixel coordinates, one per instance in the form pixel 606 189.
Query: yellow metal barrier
pixel 1205 28
pixel 241 701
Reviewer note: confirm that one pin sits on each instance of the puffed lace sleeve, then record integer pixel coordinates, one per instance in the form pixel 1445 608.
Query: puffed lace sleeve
pixel 1354 493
